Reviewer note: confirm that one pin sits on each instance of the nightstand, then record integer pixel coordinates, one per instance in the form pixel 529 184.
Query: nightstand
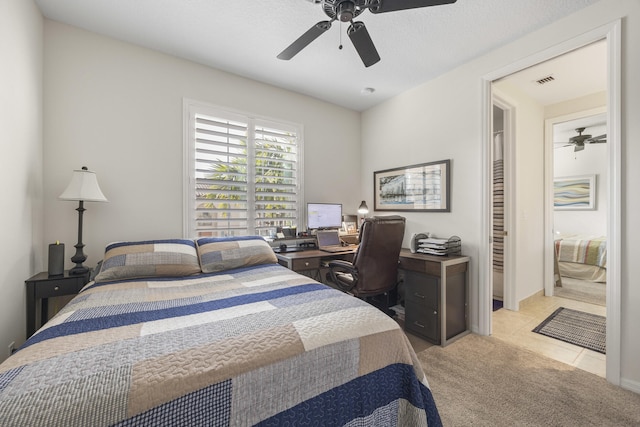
pixel 41 287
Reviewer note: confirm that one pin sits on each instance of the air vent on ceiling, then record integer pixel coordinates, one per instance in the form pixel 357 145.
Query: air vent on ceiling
pixel 544 80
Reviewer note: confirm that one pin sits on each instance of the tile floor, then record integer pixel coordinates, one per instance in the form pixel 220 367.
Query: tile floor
pixel 515 327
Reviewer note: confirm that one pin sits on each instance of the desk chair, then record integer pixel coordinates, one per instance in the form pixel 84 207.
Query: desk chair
pixel 374 270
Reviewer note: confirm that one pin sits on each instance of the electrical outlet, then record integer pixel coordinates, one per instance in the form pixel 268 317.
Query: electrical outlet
pixel 12 348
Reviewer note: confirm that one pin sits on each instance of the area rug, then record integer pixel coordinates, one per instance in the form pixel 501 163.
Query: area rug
pixel 497 304
pixel 576 327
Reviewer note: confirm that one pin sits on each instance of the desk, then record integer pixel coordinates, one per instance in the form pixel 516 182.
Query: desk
pixel 310 261
pixel 436 289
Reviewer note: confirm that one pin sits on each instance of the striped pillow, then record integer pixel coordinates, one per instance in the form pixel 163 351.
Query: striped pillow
pixel 152 258
pixel 225 253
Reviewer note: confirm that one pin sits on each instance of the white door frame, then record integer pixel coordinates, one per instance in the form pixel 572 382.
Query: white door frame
pixel 612 34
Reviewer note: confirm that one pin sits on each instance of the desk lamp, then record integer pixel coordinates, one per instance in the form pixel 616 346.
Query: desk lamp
pixel 83 188
pixel 363 210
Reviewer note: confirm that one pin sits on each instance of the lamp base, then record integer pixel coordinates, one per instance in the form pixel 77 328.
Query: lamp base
pixel 78 270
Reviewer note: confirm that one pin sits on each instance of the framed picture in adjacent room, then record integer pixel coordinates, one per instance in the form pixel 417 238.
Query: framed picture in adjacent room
pixel 574 193
pixel 425 187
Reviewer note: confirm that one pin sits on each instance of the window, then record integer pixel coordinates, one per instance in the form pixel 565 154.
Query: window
pixel 243 173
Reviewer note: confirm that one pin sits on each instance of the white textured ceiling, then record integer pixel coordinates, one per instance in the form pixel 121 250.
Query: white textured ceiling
pixel 577 73
pixel 244 37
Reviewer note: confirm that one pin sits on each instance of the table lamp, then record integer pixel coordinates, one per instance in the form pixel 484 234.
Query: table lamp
pixel 83 188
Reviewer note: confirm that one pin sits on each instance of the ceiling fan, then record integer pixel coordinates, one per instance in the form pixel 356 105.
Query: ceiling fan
pixel 579 140
pixel 345 11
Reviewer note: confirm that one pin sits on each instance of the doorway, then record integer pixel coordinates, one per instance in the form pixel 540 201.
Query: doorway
pixel 580 174
pixel 611 35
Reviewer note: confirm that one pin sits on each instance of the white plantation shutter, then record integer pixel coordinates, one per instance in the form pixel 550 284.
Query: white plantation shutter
pixel 243 174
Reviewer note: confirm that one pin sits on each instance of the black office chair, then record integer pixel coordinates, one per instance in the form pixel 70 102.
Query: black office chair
pixel 374 270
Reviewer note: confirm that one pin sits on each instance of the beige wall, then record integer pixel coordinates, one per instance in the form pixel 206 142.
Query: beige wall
pixel 117 109
pixel 20 162
pixel 442 119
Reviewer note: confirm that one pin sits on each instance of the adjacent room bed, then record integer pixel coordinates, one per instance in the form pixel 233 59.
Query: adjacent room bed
pixel 213 332
pixel 582 257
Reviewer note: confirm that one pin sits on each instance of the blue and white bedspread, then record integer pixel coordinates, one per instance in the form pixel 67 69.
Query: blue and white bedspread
pixel 254 346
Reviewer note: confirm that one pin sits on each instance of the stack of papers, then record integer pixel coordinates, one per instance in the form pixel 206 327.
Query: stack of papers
pixel 433 246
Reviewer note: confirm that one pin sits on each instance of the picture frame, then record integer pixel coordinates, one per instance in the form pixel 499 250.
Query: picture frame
pixel 574 193
pixel 425 187
pixel 349 227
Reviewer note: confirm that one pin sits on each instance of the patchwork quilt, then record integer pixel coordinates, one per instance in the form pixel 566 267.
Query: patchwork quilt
pixel 590 251
pixel 259 345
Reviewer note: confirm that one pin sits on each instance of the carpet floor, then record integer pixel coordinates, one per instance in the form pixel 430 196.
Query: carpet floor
pixel 484 381
pixel 576 327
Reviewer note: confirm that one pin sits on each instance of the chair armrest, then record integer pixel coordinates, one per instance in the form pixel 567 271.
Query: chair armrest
pixel 341 265
pixel 344 267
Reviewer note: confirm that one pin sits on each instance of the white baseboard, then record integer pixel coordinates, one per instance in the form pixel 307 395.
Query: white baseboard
pixel 630 385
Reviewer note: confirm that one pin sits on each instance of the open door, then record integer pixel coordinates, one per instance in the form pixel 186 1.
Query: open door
pixel 497 206
pixel 501 173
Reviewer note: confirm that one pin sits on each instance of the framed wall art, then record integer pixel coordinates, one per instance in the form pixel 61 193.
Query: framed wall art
pixel 574 193
pixel 423 188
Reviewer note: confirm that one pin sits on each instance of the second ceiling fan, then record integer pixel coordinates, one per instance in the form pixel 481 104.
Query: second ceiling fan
pixel 579 140
pixel 345 11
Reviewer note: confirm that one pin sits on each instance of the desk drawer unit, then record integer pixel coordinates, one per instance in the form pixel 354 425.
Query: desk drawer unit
pixel 421 300
pixel 52 288
pixel 422 321
pixel 435 296
pixel 304 264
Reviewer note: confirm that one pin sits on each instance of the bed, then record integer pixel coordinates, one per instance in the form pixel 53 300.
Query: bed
pixel 213 332
pixel 582 257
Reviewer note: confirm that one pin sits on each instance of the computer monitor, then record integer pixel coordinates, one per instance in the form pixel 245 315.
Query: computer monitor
pixel 324 215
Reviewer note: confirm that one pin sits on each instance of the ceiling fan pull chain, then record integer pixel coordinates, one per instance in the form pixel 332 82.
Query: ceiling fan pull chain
pixel 340 37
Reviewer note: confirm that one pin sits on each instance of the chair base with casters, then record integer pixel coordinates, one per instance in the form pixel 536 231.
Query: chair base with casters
pixel 373 273
pixel 383 301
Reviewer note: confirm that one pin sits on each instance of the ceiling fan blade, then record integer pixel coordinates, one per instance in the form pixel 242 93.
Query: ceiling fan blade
pixel 597 139
pixel 304 40
pixel 382 6
pixel 362 42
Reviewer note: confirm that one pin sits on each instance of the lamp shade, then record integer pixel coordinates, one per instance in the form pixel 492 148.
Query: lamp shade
pixel 83 186
pixel 363 209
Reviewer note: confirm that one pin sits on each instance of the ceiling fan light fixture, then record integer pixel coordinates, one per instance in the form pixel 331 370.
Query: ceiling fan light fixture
pixel 346 11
